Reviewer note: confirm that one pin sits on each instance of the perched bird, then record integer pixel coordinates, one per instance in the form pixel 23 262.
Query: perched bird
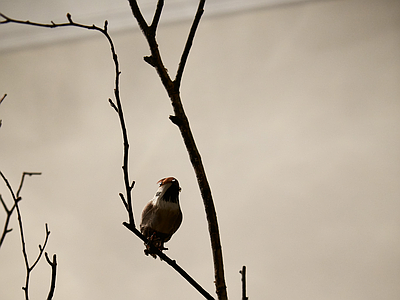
pixel 162 216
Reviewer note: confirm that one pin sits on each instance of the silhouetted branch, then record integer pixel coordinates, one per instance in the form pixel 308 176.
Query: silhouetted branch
pixel 188 46
pixel 118 108
pixel 180 119
pixel 23 178
pixel 7 221
pixel 157 15
pixel 243 272
pixel 16 197
pixel 53 265
pixel 1 100
pixel 169 261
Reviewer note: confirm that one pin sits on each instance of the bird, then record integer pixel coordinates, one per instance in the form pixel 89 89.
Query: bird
pixel 162 216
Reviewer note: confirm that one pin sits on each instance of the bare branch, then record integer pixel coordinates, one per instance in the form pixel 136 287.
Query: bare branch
pixel 138 16
pixel 170 262
pixel 189 42
pixel 117 106
pixel 113 105
pixel 243 272
pixel 53 265
pixel 23 178
pixel 2 98
pixel 180 119
pixel 41 248
pixel 8 211
pixel 173 91
pixel 16 197
pixel 157 15
pixel 7 221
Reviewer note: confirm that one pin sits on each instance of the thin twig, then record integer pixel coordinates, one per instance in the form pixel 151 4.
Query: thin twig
pixel 53 265
pixel 8 211
pixel 7 221
pixel 188 46
pixel 157 15
pixel 16 197
pixel 117 107
pixel 23 178
pixel 2 98
pixel 243 272
pixel 180 119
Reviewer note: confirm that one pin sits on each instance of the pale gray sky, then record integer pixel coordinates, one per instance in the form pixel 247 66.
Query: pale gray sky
pixel 296 113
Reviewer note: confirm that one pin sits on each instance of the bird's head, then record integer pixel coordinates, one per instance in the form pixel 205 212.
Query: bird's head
pixel 168 189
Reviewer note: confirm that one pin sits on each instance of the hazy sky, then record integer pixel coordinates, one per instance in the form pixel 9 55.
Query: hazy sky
pixel 296 113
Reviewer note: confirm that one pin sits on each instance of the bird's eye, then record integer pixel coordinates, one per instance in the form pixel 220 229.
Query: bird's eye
pixel 158 193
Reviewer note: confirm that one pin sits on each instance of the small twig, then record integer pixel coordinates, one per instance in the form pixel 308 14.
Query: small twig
pixel 170 262
pixel 2 98
pixel 41 248
pixel 116 106
pixel 7 221
pixel 113 105
pixel 23 178
pixel 157 15
pixel 16 197
pixel 188 46
pixel 138 16
pixel 243 272
pixel 53 265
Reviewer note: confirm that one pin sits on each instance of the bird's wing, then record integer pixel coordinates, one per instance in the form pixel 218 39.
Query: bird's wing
pixel 147 214
pixel 164 221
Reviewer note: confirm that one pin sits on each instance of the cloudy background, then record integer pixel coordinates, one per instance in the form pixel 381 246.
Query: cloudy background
pixel 295 108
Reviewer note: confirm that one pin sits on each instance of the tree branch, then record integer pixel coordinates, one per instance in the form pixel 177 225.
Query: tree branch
pixel 2 98
pixel 243 272
pixel 16 197
pixel 53 265
pixel 118 108
pixel 23 178
pixel 157 15
pixel 188 46
pixel 7 221
pixel 171 262
pixel 180 119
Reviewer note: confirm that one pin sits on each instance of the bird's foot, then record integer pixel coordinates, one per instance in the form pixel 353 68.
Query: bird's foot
pixel 147 252
pixel 161 248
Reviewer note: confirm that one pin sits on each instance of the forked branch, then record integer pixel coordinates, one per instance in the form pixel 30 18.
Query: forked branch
pixel 29 268
pixel 16 198
pixel 180 119
pixel 117 106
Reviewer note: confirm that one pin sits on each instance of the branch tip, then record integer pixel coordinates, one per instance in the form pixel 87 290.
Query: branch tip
pixel 149 60
pixel 2 98
pixel 113 105
pixel 69 17
pixel 176 120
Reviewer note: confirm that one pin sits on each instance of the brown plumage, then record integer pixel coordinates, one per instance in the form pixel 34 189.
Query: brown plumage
pixel 162 216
